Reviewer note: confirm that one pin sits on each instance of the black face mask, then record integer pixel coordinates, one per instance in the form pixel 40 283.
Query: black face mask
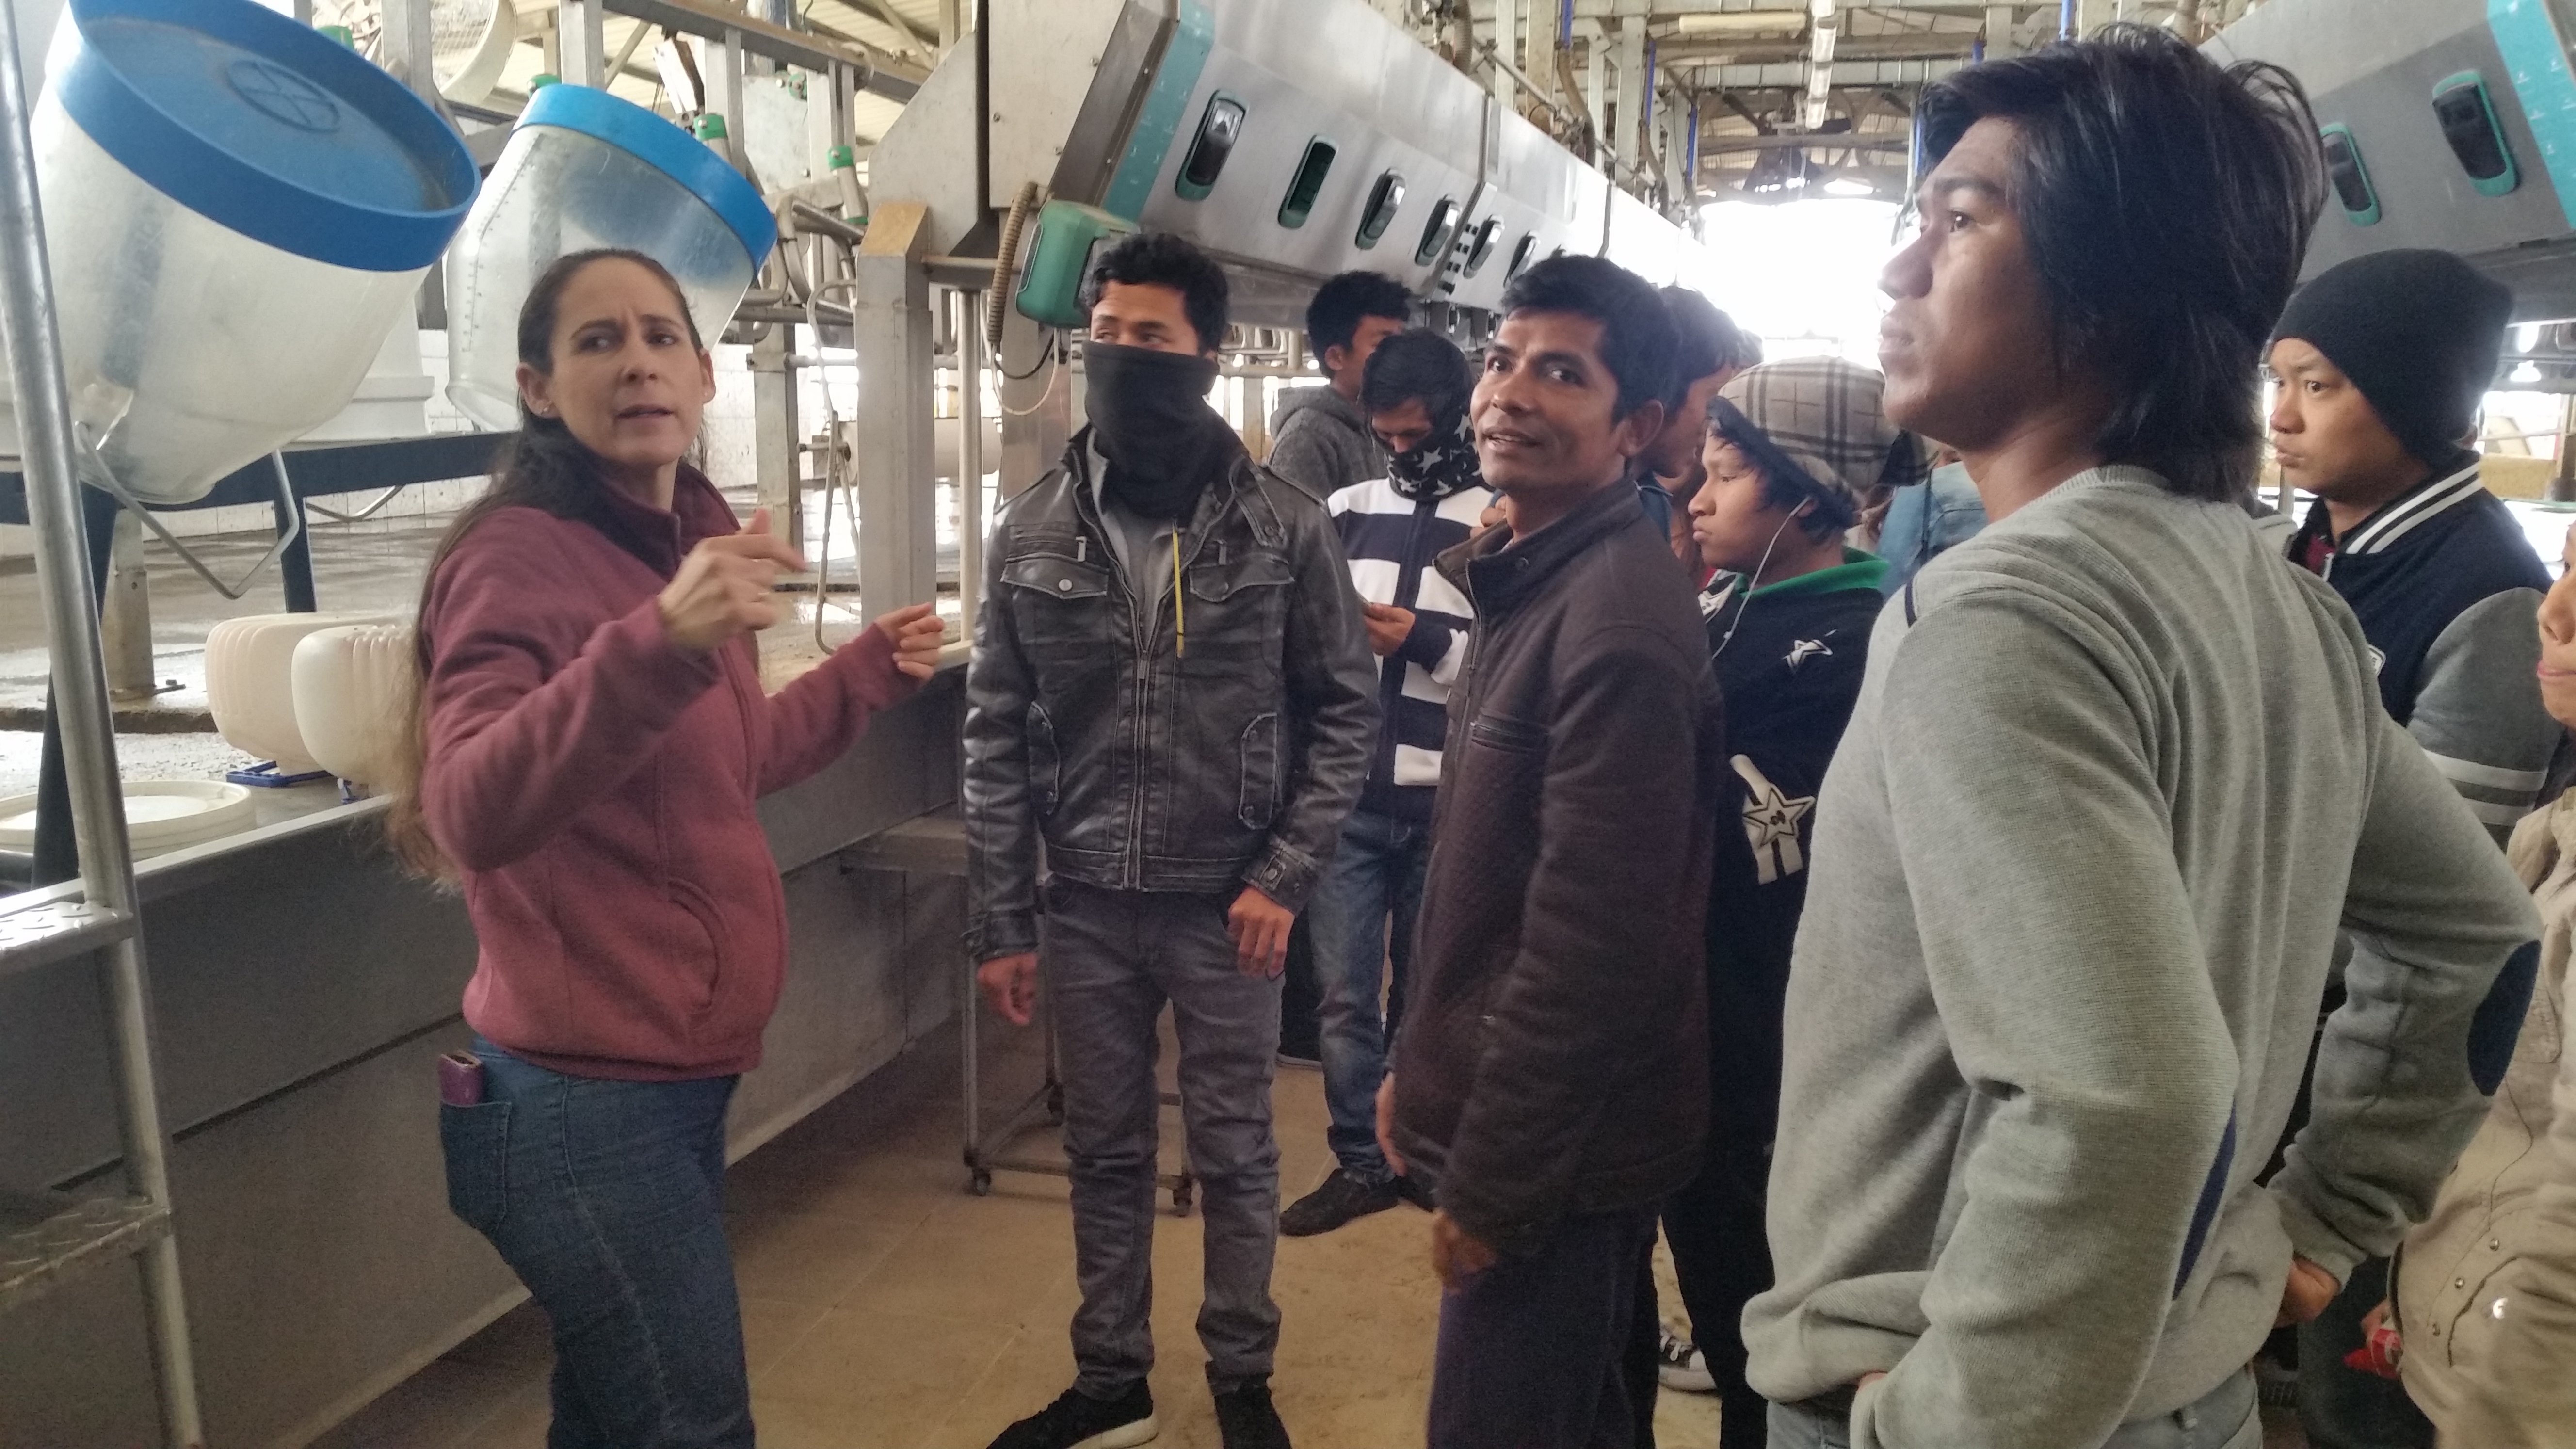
pixel 1440 465
pixel 1149 414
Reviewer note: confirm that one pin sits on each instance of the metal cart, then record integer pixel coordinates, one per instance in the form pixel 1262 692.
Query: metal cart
pixel 935 844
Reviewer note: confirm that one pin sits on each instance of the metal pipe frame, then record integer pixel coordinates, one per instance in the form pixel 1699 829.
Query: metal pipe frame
pixel 34 345
pixel 879 72
pixel 580 43
pixel 970 462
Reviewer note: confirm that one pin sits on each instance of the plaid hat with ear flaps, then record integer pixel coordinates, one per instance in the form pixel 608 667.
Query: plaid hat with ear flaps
pixel 1819 422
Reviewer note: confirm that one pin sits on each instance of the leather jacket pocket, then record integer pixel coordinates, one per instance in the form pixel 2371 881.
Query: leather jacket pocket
pixel 1046 762
pixel 1236 617
pixel 1502 732
pixel 1260 796
pixel 1063 614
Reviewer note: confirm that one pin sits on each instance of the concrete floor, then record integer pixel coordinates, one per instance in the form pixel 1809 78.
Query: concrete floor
pixel 886 1309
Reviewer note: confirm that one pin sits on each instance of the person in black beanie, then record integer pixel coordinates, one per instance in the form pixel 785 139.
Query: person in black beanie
pixel 2381 364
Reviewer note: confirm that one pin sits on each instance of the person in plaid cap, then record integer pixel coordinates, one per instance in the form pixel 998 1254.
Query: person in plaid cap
pixel 1797 451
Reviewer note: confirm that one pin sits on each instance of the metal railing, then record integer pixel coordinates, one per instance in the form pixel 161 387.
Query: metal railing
pixel 46 1239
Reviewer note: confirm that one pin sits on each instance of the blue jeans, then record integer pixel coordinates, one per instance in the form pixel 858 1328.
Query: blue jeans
pixel 1377 871
pixel 2340 1407
pixel 606 1198
pixel 2224 1418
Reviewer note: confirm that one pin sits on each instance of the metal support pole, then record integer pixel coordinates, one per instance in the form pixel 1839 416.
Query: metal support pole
pixel 970 462
pixel 295 561
pixel 2562 479
pixel 1628 122
pixel 125 619
pixel 775 435
pixel 843 99
pixel 898 469
pixel 724 84
pixel 1507 48
pixel 580 48
pixel 1596 56
pixel 407 47
pixel 1999 32
pixel 1540 46
pixel 34 346
pixel 57 847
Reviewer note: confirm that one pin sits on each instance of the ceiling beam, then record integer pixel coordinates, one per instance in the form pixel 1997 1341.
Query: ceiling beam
pixel 1848 75
pixel 1672 9
pixel 883 73
pixel 1845 141
pixel 916 39
pixel 1846 47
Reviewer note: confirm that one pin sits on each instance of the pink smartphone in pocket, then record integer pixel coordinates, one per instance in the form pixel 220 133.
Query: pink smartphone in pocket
pixel 460 1079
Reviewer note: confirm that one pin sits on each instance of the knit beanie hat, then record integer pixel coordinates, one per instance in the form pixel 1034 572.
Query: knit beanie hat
pixel 1818 424
pixel 2418 332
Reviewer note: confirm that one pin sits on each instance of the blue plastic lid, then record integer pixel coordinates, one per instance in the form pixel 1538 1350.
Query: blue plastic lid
pixel 667 149
pixel 268 128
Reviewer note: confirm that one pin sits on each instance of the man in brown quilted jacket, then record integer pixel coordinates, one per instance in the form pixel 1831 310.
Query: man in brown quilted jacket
pixel 1551 1079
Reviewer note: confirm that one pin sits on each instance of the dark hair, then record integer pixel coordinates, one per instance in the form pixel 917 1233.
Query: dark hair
pixel 2167 204
pixel 542 466
pixel 1706 341
pixel 1333 318
pixel 1748 347
pixel 1636 330
pixel 1160 259
pixel 1417 363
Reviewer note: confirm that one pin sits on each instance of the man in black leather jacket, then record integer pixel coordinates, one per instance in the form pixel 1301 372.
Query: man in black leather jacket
pixel 1172 689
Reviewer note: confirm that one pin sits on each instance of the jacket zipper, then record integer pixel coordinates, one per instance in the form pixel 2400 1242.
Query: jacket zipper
pixel 1132 869
pixel 1144 626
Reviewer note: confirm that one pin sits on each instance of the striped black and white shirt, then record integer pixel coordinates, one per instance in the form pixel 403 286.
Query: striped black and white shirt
pixel 1391 541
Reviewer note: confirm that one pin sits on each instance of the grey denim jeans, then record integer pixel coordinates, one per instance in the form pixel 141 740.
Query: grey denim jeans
pixel 1112 960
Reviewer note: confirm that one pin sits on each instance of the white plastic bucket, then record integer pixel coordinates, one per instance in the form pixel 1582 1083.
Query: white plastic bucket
pixel 585 170
pixel 237 212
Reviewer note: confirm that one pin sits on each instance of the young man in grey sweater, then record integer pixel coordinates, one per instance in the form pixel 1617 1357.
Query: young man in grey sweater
pixel 2116 777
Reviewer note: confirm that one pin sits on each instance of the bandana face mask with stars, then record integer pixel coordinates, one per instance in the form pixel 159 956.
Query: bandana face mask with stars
pixel 1439 466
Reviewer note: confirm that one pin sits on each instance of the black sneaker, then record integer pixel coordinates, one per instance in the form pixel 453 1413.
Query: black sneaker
pixel 1679 1366
pixel 1411 1190
pixel 1078 1421
pixel 1341 1198
pixel 1245 1419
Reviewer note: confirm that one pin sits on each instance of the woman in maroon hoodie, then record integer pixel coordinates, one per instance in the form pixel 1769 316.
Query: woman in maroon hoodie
pixel 592 736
